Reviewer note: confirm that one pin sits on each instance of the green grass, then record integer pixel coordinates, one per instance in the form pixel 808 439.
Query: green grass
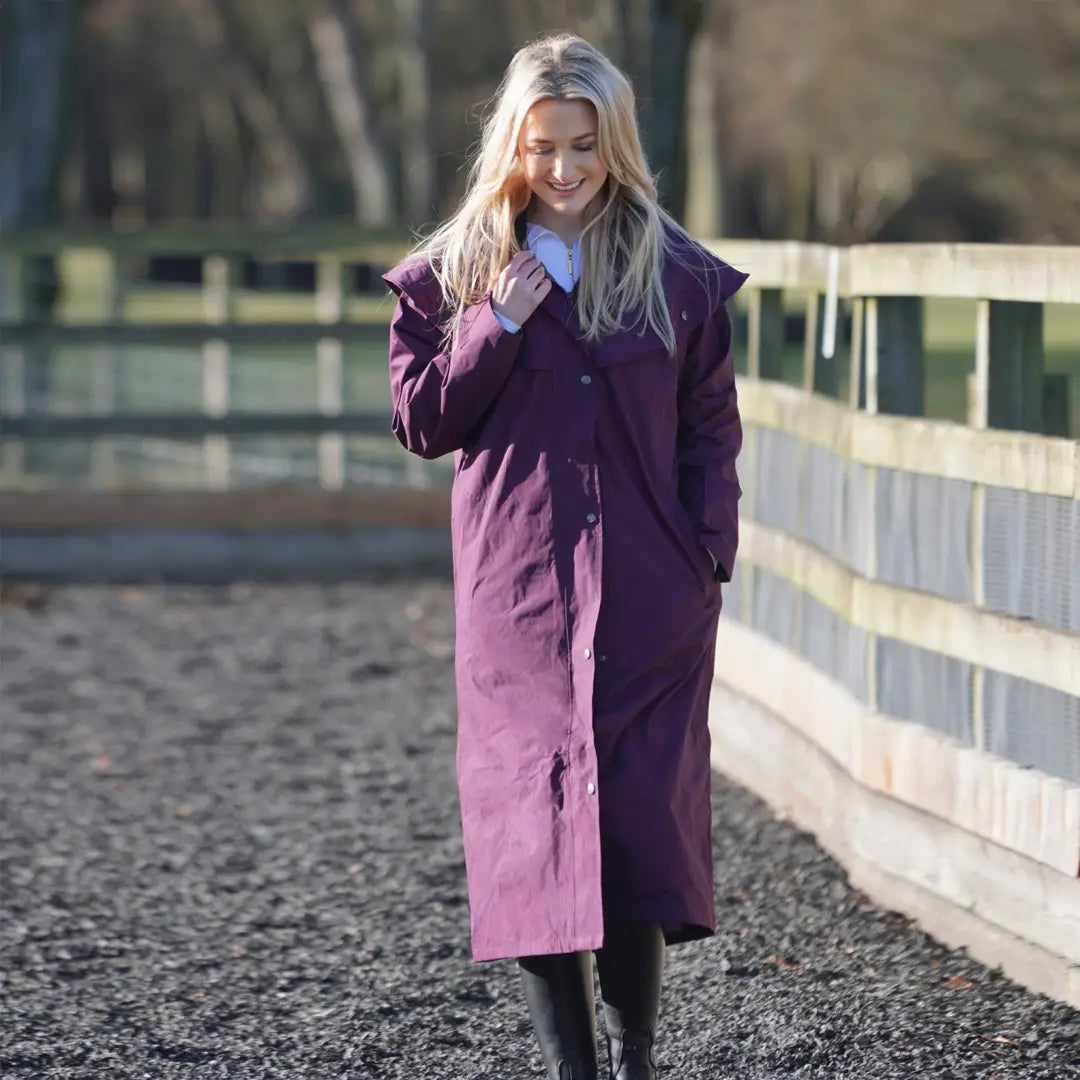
pixel 949 336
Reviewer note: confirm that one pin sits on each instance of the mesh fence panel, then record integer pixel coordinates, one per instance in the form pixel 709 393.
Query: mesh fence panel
pixel 1033 725
pixel 922 530
pixel 834 646
pixel 746 466
pixel 774 607
pixel 818 635
pixel 851 658
pixel 732 594
pixel 1032 556
pixel 857 519
pixel 776 480
pixel 915 684
pixel 823 493
pixel 921 537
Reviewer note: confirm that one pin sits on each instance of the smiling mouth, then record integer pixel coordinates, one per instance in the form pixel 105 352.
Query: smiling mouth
pixel 565 189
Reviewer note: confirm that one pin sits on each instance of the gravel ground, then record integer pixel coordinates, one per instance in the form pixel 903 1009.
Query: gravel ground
pixel 229 847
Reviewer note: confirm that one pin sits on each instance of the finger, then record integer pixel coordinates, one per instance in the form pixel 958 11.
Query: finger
pixel 531 272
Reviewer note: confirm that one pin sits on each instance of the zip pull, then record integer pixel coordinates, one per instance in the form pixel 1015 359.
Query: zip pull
pixel 570 264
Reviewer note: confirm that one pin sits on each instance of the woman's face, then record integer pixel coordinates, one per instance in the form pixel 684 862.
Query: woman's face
pixel 557 148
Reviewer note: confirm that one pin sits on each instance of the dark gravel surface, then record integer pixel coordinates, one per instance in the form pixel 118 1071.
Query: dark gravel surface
pixel 229 847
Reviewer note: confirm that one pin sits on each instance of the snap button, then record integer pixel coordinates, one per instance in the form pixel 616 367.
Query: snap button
pixel 586 379
pixel 590 787
pixel 588 654
pixel 684 317
pixel 590 518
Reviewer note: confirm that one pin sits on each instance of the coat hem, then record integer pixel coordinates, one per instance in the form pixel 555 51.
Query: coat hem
pixel 534 947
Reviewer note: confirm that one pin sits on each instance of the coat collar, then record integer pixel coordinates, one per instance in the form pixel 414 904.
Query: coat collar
pixel 629 341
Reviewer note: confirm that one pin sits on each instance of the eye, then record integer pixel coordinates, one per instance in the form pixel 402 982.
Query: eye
pixel 585 149
pixel 540 150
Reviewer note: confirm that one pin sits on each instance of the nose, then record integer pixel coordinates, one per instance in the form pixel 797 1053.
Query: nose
pixel 561 168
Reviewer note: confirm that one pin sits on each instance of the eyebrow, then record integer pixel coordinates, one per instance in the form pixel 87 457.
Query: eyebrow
pixel 576 138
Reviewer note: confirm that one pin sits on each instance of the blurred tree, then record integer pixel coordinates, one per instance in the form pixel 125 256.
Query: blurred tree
pixel 851 105
pixel 416 103
pixel 333 36
pixel 659 36
pixel 36 46
pixel 286 188
pixel 836 120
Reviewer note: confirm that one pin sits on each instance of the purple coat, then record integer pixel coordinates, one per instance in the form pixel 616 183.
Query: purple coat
pixel 589 480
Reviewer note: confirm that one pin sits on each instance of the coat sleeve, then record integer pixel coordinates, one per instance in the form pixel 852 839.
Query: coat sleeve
pixel 439 395
pixel 710 436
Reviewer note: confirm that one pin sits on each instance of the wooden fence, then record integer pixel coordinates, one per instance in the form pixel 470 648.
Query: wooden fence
pixel 897 670
pixel 898 667
pixel 27 339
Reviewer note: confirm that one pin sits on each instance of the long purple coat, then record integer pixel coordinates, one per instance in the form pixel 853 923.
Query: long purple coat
pixel 589 480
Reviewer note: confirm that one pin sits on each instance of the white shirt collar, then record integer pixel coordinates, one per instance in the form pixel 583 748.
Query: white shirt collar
pixel 552 252
pixel 536 232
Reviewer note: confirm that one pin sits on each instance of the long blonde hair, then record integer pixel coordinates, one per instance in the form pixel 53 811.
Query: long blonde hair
pixel 626 235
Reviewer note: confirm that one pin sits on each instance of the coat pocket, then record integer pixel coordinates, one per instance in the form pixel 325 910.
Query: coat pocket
pixel 694 551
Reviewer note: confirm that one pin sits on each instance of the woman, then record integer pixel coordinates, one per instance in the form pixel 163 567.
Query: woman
pixel 569 343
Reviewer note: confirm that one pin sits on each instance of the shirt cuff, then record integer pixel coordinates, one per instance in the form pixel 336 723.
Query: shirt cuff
pixel 719 572
pixel 507 324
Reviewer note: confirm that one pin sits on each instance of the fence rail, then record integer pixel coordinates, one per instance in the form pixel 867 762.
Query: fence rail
pixel 899 665
pixel 902 643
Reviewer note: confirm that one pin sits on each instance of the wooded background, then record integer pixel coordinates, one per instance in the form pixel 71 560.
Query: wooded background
pixel 831 120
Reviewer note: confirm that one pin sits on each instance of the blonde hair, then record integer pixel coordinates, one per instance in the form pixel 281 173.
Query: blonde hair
pixel 626 234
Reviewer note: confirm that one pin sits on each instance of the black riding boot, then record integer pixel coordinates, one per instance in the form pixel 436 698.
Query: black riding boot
pixel 559 993
pixel 631 967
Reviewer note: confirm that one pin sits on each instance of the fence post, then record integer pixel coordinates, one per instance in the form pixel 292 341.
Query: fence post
pixel 330 308
pixel 1015 370
pixel 978 407
pixel 765 334
pixel 1056 415
pixel 821 373
pixel 901 362
pixel 105 374
pixel 870 394
pixel 219 279
pixel 857 375
pixel 13 370
pixel 764 360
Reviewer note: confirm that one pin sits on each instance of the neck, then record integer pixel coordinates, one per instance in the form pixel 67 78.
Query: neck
pixel 567 229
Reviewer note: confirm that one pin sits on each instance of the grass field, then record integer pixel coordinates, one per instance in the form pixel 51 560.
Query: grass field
pixel 271 378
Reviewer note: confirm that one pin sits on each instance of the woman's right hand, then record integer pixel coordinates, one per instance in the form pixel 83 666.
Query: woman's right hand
pixel 522 284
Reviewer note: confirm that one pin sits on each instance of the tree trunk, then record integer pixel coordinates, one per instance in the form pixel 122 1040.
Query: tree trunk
pixel 350 113
pixel 704 177
pixel 659 35
pixel 223 154
pixel 36 45
pixel 418 161
pixel 287 188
